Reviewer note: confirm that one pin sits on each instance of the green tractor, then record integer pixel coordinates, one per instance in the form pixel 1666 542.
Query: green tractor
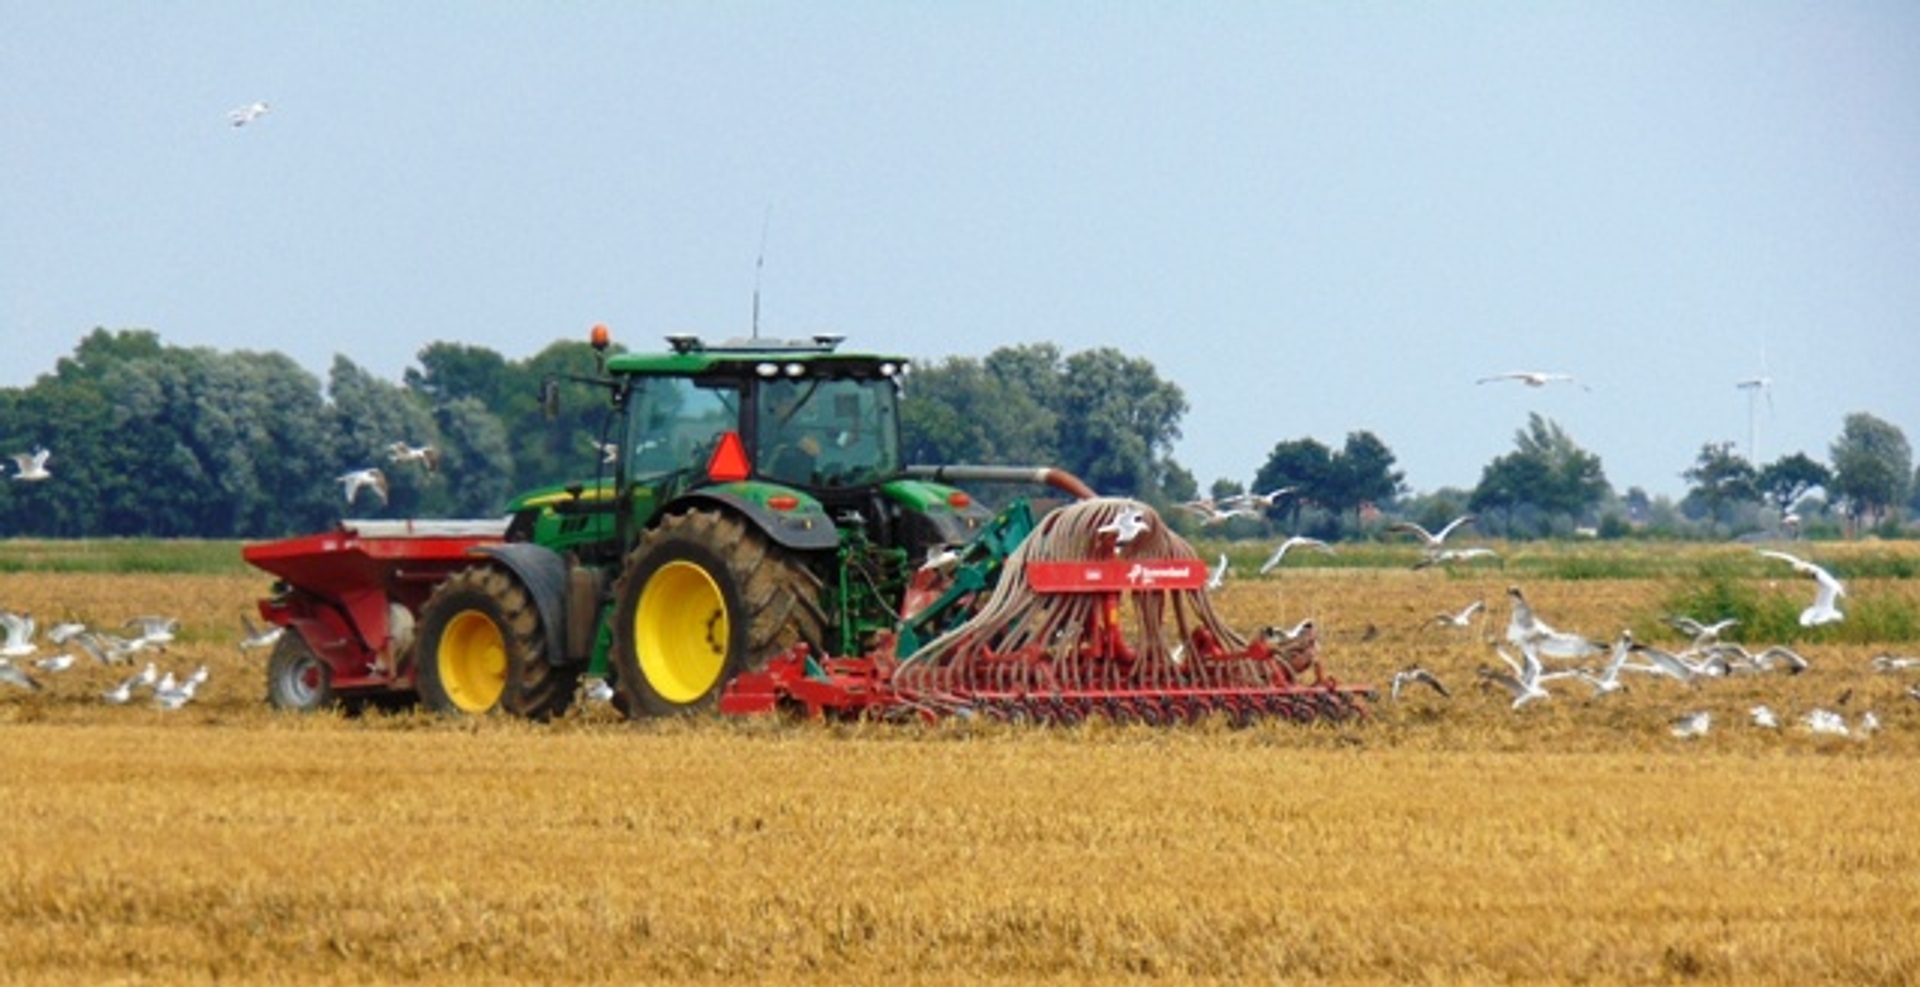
pixel 751 497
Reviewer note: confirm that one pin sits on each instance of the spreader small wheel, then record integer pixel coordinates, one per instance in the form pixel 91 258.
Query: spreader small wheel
pixel 296 678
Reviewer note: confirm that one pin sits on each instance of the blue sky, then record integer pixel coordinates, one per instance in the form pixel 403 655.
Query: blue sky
pixel 1313 217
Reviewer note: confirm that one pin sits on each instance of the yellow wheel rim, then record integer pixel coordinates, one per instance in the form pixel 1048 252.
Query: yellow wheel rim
pixel 680 631
pixel 473 662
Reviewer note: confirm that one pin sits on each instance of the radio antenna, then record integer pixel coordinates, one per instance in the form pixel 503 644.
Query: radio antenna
pixel 758 263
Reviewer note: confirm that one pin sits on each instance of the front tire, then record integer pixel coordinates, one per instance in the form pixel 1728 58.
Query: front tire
pixel 296 677
pixel 482 648
pixel 704 597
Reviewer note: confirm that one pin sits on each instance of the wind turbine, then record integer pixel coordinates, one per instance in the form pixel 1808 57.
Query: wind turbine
pixel 1755 388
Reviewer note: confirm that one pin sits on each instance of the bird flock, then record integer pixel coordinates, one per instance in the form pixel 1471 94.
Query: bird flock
pixel 23 666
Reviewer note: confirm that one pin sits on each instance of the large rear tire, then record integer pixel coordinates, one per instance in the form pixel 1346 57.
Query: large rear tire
pixel 705 596
pixel 296 677
pixel 482 648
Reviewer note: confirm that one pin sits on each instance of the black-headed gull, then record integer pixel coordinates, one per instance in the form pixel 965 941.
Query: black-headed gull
pixel 1432 540
pixel 1526 630
pixel 1296 541
pixel 427 456
pixel 1463 619
pixel 1128 524
pixel 32 465
pixel 1825 608
pixel 15 675
pixel 240 116
pixel 1532 378
pixel 1417 676
pixel 370 478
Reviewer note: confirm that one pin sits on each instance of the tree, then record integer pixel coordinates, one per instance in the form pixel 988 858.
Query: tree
pixel 1872 464
pixel 1306 465
pixel 963 411
pixel 1721 478
pixel 1120 422
pixel 1787 479
pixel 1361 473
pixel 1546 475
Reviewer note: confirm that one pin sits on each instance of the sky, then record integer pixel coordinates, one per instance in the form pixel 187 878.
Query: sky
pixel 1315 218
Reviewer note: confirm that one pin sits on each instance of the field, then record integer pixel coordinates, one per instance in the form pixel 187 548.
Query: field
pixel 1441 841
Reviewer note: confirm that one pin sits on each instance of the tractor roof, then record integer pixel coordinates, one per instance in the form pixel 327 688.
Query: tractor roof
pixel 691 356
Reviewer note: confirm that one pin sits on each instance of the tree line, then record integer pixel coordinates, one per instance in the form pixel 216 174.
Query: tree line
pixel 149 439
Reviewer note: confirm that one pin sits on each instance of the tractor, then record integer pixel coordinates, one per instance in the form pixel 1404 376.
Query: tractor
pixel 751 540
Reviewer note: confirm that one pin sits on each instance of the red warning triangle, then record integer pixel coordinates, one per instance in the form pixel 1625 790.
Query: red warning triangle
pixel 728 464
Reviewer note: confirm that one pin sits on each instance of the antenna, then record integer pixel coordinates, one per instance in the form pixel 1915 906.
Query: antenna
pixel 758 263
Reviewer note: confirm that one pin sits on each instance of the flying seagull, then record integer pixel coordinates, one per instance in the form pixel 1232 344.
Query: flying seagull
pixel 1125 526
pixel 33 465
pixel 19 629
pixel 1526 630
pixel 370 478
pixel 1824 609
pixel 243 115
pixel 15 675
pixel 1417 676
pixel 1432 540
pixel 1446 556
pixel 1462 619
pixel 1217 576
pixel 1532 378
pixel 427 456
pixel 1702 634
pixel 254 636
pixel 1297 541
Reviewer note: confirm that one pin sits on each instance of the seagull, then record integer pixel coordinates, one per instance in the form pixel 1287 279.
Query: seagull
pixel 54 663
pixel 427 456
pixel 1297 541
pixel 1608 681
pixel 254 636
pixel 1869 723
pixel 1267 499
pixel 154 631
pixel 108 649
pixel 19 635
pixel 1417 676
pixel 1780 652
pixel 33 465
pixel 1692 724
pixel 1702 634
pixel 370 478
pixel 1894 663
pixel 1667 663
pixel 1217 576
pixel 1446 555
pixel 1824 609
pixel 1432 540
pixel 122 692
pixel 599 691
pixel 1125 526
pixel 1282 635
pixel 1763 717
pixel 1524 682
pixel 173 695
pixel 1525 629
pixel 65 631
pixel 1463 619
pixel 609 451
pixel 1825 721
pixel 15 675
pixel 1211 514
pixel 1532 378
pixel 247 114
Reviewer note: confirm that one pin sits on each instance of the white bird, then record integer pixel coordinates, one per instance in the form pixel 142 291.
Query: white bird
pixel 176 695
pixel 1448 555
pixel 426 456
pixel 241 116
pixel 1217 576
pixel 1296 541
pixel 1702 634
pixel 1825 722
pixel 1417 676
pixel 609 451
pixel 599 691
pixel 1525 681
pixel 1783 654
pixel 33 465
pixel 1763 717
pixel 19 635
pixel 65 631
pixel 109 649
pixel 1211 514
pixel 1824 609
pixel 1608 681
pixel 1532 378
pixel 1463 619
pixel 1663 662
pixel 370 478
pixel 15 675
pixel 1127 525
pixel 1282 635
pixel 154 632
pixel 254 636
pixel 1693 724
pixel 1894 663
pixel 54 663
pixel 1526 630
pixel 1432 540
pixel 1869 723
pixel 1267 499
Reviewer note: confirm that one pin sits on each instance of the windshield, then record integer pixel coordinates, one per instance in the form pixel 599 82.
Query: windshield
pixel 676 421
pixel 827 433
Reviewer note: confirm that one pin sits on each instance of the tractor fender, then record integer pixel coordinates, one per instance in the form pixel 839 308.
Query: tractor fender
pixel 544 574
pixel 807 529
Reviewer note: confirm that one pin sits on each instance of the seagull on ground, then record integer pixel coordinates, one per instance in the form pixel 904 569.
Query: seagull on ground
pixel 1824 609
pixel 1894 663
pixel 1825 721
pixel 1296 541
pixel 1763 717
pixel 254 636
pixel 32 465
pixel 1127 525
pixel 1283 635
pixel 370 478
pixel 1463 619
pixel 1217 576
pixel 599 691
pixel 1417 676
pixel 1532 378
pixel 1869 723
pixel 1693 724
pixel 15 675
pixel 243 115
pixel 54 663
pixel 426 456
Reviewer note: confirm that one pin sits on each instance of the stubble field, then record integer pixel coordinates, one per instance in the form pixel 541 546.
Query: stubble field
pixel 1441 841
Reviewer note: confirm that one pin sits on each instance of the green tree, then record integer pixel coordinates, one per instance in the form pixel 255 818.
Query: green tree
pixel 1306 465
pixel 962 410
pixel 1787 479
pixel 1547 476
pixel 1872 464
pixel 1361 473
pixel 1721 478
